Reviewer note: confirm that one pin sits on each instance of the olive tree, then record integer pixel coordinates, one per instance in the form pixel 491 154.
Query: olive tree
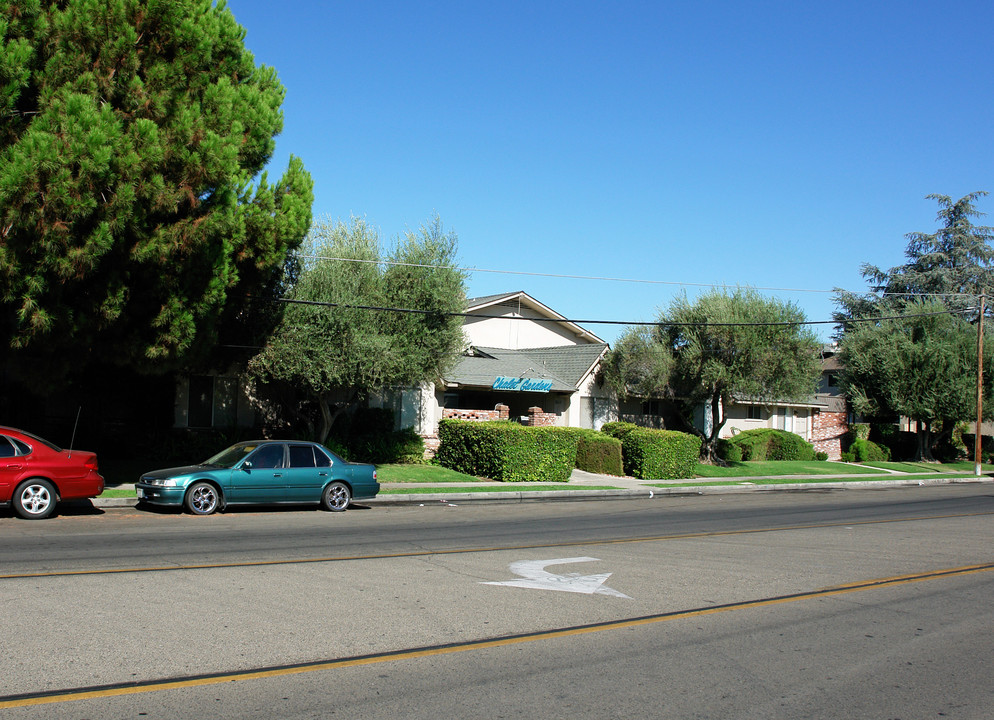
pixel 360 319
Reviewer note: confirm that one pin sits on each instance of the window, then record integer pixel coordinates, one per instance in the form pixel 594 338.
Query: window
pixel 755 412
pixel 212 401
pixel 6 447
pixel 268 456
pixel 301 456
pixel 322 458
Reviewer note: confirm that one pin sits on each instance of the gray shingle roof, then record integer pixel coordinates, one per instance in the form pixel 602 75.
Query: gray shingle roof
pixel 565 365
pixel 485 299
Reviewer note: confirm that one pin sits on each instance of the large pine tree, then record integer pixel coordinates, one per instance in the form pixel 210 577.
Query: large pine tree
pixel 132 215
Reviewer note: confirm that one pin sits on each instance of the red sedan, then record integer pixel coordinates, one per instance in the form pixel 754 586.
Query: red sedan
pixel 35 474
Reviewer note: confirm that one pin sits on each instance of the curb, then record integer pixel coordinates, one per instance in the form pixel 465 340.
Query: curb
pixel 642 493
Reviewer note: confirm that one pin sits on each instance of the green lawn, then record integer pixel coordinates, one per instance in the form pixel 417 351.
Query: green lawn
pixel 118 493
pixel 422 474
pixel 773 468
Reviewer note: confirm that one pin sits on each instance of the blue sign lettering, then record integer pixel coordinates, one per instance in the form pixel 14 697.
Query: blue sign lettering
pixel 522 384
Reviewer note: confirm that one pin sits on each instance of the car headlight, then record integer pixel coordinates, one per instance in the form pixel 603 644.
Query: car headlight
pixel 161 482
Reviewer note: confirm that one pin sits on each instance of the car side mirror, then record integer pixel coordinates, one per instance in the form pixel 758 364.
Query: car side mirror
pixel 247 465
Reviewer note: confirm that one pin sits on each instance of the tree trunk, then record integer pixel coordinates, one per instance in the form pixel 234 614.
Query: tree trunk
pixel 330 412
pixel 709 441
pixel 923 433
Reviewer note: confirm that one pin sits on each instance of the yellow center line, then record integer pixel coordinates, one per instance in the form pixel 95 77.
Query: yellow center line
pixel 415 653
pixel 465 551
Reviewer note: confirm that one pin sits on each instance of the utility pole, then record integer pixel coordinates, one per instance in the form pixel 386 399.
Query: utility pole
pixel 978 436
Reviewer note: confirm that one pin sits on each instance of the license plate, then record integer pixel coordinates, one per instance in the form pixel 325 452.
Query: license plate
pixel 141 493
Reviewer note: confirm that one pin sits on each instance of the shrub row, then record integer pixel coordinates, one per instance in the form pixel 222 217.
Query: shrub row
pixel 656 454
pixel 506 451
pixel 512 453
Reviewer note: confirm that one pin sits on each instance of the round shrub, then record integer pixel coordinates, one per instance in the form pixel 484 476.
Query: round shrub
pixel 868 451
pixel 769 444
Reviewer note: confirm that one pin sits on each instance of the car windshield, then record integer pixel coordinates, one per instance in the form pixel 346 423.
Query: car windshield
pixel 231 456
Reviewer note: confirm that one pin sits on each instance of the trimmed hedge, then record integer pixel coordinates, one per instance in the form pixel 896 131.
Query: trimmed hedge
pixel 598 453
pixel 660 454
pixel 618 429
pixel 769 444
pixel 507 451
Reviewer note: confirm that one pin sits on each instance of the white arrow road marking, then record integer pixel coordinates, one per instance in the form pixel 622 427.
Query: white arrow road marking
pixel 537 578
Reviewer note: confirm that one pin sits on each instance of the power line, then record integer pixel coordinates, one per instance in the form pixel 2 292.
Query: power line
pixel 415 311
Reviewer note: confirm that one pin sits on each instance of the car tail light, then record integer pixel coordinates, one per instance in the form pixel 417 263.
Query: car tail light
pixel 91 464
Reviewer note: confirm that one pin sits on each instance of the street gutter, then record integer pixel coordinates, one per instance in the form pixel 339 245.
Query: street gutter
pixel 577 493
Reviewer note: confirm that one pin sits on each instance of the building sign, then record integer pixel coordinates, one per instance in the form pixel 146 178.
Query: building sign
pixel 522 384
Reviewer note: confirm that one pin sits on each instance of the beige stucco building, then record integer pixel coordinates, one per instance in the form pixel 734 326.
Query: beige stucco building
pixel 523 360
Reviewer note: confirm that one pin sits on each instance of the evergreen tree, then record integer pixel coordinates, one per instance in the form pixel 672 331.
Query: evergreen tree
pixel 133 220
pixel 954 264
pixel 922 364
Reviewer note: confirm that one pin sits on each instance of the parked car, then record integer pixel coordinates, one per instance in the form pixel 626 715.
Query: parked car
pixel 262 471
pixel 35 475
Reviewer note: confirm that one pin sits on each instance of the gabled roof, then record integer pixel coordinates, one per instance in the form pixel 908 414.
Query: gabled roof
pixel 484 300
pixel 481 303
pixel 569 362
pixel 565 365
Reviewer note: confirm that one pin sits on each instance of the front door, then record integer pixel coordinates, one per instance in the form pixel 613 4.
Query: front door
pixel 261 477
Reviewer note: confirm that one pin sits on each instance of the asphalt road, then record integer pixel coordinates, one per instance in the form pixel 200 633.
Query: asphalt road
pixel 850 604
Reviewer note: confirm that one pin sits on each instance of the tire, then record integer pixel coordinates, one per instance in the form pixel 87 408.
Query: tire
pixel 336 497
pixel 202 498
pixel 35 499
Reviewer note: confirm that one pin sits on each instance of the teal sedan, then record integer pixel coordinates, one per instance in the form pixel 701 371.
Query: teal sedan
pixel 262 471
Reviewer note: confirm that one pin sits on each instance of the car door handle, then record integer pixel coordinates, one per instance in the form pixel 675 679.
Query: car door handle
pixel 277 474
pixel 322 474
pixel 14 467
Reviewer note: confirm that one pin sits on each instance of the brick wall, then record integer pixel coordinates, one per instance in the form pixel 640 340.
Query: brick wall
pixel 431 446
pixel 501 412
pixel 537 418
pixel 827 430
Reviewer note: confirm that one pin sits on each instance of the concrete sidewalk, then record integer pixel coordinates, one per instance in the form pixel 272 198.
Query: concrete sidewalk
pixel 581 487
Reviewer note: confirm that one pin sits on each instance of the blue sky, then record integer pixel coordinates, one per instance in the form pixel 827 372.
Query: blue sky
pixel 771 144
